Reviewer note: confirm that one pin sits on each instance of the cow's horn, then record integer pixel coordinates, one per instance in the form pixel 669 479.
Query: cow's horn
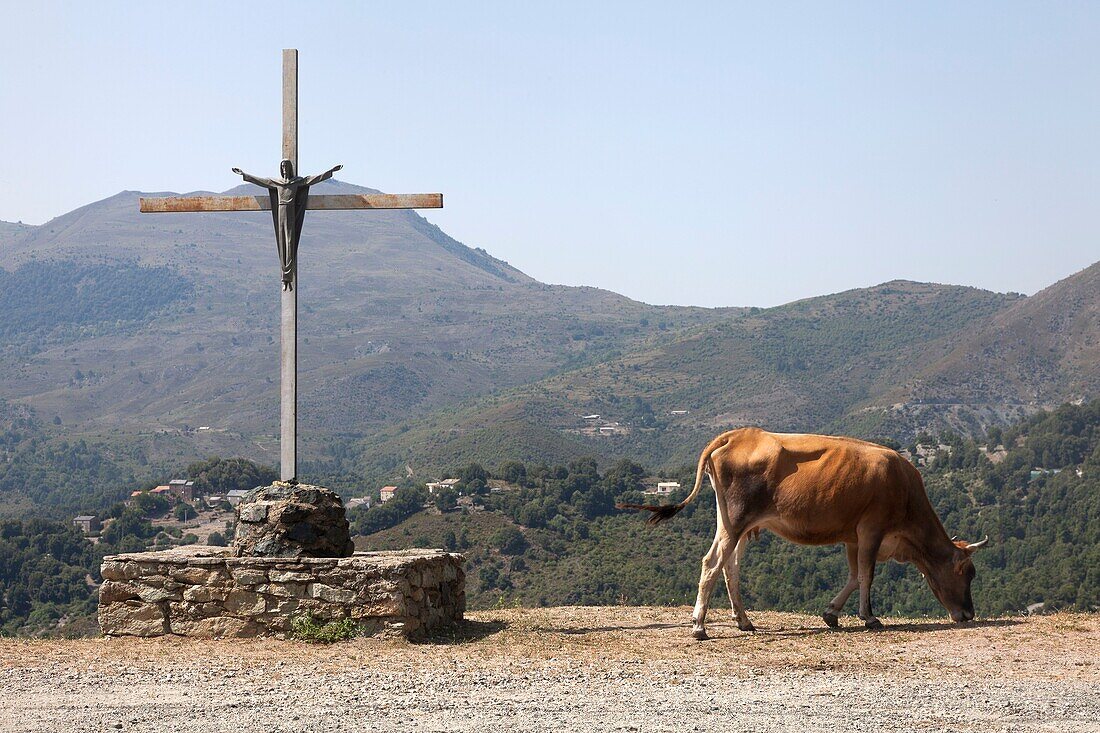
pixel 954 538
pixel 978 545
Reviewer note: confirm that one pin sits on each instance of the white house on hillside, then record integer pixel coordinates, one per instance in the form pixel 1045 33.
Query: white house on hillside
pixel 664 488
pixel 447 483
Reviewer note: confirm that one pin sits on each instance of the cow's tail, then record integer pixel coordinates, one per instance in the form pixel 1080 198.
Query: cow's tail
pixel 668 511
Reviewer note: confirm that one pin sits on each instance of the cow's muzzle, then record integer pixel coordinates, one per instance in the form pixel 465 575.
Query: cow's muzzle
pixel 962 616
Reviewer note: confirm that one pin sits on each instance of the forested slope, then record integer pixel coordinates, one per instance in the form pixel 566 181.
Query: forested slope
pixel 577 549
pixel 804 366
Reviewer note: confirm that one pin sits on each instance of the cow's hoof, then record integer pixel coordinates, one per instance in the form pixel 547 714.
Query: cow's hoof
pixel 830 620
pixel 747 626
pixel 874 625
pixel 699 634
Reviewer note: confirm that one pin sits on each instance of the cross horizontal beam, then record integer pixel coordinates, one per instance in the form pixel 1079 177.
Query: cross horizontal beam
pixel 331 202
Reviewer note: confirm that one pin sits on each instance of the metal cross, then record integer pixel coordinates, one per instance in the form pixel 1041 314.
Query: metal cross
pixel 288 440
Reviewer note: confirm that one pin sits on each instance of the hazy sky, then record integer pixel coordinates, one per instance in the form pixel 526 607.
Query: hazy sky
pixel 711 154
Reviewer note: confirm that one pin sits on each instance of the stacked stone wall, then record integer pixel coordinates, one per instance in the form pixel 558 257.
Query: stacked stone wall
pixel 205 592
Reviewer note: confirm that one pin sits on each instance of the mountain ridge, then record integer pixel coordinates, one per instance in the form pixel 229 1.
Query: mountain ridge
pixel 391 305
pixel 413 344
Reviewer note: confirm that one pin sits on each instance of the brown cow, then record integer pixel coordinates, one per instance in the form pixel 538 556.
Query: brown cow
pixel 823 490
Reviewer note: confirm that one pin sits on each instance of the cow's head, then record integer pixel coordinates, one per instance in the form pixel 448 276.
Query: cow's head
pixel 950 579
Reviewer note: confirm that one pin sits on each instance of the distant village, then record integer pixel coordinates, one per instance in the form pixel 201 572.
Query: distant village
pixel 597 425
pixel 183 505
pixel 180 495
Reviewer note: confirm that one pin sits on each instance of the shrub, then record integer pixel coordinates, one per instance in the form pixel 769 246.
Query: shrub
pixel 307 628
pixel 509 540
pixel 446 500
pixel 184 512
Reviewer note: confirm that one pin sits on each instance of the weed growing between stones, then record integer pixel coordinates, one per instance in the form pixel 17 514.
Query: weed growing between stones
pixel 307 628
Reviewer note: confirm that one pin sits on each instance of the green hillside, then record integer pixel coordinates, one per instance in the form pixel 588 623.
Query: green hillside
pixel 1042 350
pixel 577 549
pixel 44 474
pixel 63 302
pixel 548 534
pixel 804 366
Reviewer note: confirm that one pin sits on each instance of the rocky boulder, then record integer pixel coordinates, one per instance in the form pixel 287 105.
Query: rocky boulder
pixel 292 520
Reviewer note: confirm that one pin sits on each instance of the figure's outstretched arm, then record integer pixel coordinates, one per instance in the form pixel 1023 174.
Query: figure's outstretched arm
pixel 249 178
pixel 310 180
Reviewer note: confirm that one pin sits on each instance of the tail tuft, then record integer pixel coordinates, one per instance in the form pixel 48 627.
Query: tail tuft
pixel 659 513
pixel 668 511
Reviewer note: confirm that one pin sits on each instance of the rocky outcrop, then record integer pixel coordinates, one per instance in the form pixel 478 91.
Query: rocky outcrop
pixel 206 592
pixel 292 520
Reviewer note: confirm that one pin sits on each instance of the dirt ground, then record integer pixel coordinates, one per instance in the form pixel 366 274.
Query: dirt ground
pixel 576 669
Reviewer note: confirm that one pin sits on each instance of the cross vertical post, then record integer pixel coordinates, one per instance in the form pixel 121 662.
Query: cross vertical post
pixel 288 405
pixel 283 210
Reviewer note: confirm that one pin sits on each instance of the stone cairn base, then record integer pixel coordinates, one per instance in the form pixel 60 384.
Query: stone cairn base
pixel 208 592
pixel 291 520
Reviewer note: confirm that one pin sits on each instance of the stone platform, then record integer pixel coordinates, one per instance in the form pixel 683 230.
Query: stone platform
pixel 206 592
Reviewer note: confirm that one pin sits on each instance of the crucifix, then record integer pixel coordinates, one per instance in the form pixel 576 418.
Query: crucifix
pixel 288 200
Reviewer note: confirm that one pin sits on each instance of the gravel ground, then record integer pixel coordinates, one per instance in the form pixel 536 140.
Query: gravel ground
pixel 575 669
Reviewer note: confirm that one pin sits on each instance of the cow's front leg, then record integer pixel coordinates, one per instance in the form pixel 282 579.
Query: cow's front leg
pixel 832 611
pixel 713 562
pixel 867 555
pixel 732 571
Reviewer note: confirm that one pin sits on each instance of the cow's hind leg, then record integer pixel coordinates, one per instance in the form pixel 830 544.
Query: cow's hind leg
pixel 832 611
pixel 713 562
pixel 732 572
pixel 867 555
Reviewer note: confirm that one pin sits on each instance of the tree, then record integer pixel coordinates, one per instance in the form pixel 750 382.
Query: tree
pixel 509 540
pixel 407 501
pixel 220 475
pixel 473 472
pixel 625 476
pixel 131 523
pixel 887 442
pixel 184 512
pixel 216 539
pixel 446 500
pixel 150 505
pixel 488 577
pixel 513 472
pixel 640 413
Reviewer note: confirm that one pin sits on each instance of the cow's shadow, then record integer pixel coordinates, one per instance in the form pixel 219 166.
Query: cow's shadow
pixel 856 626
pixel 608 629
pixel 727 630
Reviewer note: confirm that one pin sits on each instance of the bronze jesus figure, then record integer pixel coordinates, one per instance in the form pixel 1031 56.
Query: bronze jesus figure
pixel 289 196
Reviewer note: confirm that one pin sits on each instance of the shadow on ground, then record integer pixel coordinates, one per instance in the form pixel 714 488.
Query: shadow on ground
pixel 800 631
pixel 911 627
pixel 465 632
pixel 607 629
